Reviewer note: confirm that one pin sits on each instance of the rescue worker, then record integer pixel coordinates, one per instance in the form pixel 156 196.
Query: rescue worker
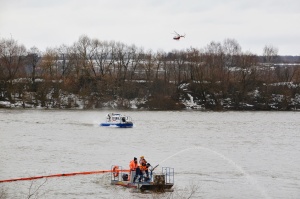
pixel 108 117
pixel 140 170
pixel 144 168
pixel 142 160
pixel 132 166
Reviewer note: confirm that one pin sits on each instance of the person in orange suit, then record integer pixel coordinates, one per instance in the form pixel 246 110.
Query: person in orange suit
pixel 132 166
pixel 142 160
pixel 143 168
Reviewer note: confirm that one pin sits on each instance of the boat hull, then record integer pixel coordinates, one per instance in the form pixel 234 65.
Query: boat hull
pixel 119 125
pixel 150 186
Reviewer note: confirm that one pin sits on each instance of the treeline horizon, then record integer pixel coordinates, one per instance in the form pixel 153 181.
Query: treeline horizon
pixel 102 71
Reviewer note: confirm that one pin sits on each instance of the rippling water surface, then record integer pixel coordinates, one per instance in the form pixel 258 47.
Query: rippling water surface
pixel 225 155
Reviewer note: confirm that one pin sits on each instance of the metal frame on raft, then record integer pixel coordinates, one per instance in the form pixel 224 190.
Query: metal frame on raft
pixel 169 174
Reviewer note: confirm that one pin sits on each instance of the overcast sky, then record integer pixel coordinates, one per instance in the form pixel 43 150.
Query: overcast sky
pixel 150 23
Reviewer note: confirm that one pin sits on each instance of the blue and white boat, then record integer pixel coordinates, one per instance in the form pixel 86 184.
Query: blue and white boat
pixel 118 120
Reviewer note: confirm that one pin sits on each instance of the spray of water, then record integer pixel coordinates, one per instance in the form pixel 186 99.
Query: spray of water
pixel 236 166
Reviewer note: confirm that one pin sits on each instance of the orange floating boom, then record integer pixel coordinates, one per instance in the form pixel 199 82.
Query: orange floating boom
pixel 62 175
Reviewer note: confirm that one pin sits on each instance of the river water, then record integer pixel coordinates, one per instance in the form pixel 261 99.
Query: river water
pixel 216 154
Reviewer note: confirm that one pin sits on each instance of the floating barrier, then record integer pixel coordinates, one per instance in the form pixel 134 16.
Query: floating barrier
pixel 62 175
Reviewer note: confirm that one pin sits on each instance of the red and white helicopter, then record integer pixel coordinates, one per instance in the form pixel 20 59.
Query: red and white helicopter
pixel 177 36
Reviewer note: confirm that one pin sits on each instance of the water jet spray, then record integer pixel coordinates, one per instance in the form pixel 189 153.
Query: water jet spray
pixel 239 168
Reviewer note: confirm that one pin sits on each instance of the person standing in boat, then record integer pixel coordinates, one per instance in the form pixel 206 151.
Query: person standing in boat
pixel 144 167
pixel 108 117
pixel 142 160
pixel 139 170
pixel 133 165
pixel 138 174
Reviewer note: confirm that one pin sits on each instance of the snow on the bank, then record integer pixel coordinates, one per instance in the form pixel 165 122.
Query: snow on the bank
pixel 5 104
pixel 191 104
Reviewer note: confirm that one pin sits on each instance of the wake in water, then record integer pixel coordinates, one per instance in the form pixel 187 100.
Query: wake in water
pixel 104 180
pixel 231 162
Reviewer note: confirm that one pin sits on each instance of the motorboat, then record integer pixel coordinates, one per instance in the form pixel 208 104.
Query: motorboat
pixel 117 120
pixel 158 182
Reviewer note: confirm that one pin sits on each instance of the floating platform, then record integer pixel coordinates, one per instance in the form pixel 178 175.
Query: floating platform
pixel 159 182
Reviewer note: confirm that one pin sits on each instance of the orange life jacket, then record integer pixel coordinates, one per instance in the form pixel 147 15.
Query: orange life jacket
pixel 133 165
pixel 143 167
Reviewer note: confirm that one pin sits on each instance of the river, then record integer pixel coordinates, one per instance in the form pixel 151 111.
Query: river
pixel 216 154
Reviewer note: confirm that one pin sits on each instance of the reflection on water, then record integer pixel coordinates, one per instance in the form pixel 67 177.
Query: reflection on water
pixel 229 154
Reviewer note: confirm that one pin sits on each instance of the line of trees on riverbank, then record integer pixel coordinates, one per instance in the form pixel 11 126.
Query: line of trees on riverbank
pixel 218 76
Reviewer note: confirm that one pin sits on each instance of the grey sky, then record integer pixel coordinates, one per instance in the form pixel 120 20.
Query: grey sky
pixel 150 23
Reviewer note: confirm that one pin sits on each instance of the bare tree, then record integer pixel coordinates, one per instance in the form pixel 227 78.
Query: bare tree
pixel 148 65
pixel 85 51
pixel 159 61
pixel 33 57
pixel 137 58
pixel 285 73
pixel 34 191
pixel 131 52
pixel 214 62
pixel 49 65
pixel 193 60
pixel 166 66
pixel 11 57
pixel 179 65
pixel 12 61
pixel 123 57
pixel 269 54
pixel 66 64
pixel 232 53
pixel 245 77
pixel 103 56
pixel 232 50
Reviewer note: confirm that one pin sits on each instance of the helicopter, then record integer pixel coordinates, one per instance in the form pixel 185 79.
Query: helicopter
pixel 177 36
